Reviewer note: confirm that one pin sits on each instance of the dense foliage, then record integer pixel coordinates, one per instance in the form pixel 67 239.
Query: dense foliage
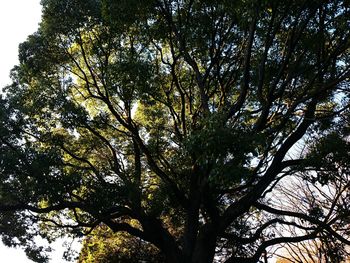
pixel 208 131
pixel 104 246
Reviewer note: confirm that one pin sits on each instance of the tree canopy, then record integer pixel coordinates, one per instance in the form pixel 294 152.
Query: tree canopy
pixel 210 131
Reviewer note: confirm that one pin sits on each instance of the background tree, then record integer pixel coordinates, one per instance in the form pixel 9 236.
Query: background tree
pixel 178 123
pixel 104 246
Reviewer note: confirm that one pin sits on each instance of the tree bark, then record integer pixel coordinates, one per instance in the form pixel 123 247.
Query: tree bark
pixel 204 250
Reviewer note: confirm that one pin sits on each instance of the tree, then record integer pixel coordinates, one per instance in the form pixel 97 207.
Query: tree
pixel 179 123
pixel 104 246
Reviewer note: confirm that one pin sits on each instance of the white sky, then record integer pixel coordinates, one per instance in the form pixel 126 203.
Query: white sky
pixel 18 19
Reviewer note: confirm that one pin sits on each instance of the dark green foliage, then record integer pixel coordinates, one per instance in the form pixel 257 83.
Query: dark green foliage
pixel 180 131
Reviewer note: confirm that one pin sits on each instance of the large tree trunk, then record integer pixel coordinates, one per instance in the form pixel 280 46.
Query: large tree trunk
pixel 204 250
pixel 162 239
